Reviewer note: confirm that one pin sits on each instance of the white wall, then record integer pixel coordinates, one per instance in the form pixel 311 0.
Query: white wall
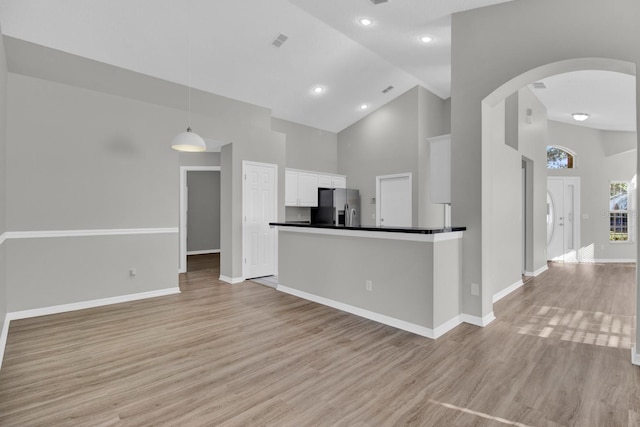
pixel 596 170
pixel 486 57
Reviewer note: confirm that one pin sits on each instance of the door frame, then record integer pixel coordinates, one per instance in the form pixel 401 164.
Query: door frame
pixel 380 178
pixel 275 204
pixel 577 216
pixel 182 267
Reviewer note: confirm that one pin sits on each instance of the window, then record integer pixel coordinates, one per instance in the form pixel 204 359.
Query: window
pixel 619 211
pixel 559 158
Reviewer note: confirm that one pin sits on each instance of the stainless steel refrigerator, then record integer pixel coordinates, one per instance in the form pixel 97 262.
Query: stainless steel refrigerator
pixel 337 206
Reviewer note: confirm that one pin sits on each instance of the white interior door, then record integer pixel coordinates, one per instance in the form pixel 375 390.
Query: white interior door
pixel 393 195
pixel 260 201
pixel 563 219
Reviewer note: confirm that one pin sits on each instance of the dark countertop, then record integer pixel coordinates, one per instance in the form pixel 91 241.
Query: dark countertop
pixel 414 230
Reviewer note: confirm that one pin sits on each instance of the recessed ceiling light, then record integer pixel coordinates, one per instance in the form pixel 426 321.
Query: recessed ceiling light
pixel 426 39
pixel 580 117
pixel 364 106
pixel 365 21
pixel 318 90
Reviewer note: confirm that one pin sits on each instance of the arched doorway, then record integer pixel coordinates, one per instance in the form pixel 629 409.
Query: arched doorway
pixel 500 168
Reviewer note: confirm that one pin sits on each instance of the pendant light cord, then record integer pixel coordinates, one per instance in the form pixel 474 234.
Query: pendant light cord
pixel 189 66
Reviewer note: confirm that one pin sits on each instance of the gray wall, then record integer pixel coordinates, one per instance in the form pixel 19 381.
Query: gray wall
pixel 203 213
pixel 3 180
pixel 308 148
pixel 486 56
pixel 392 140
pixel 199 159
pixel 82 160
pixel 595 170
pixel 421 288
pixel 250 144
pixel 434 119
pixel 96 155
pixel 516 140
pixel 532 143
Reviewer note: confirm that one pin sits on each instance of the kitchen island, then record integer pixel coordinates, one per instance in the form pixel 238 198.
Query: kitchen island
pixel 408 278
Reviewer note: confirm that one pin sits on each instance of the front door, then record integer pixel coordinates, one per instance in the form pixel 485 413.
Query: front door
pixel 563 219
pixel 260 200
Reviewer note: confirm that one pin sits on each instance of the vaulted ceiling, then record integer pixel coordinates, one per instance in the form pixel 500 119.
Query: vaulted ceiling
pixel 225 47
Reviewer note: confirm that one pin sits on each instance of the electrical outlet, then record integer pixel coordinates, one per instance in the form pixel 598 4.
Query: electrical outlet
pixel 368 284
pixel 132 272
pixel 475 289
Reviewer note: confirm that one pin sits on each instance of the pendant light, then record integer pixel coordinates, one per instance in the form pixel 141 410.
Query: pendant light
pixel 189 141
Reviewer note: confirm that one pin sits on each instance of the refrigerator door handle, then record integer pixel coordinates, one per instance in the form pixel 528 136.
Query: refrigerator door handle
pixel 346 214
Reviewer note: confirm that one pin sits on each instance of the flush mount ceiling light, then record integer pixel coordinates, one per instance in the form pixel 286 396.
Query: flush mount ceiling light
pixel 426 39
pixel 188 141
pixel 364 106
pixel 365 21
pixel 318 90
pixel 580 117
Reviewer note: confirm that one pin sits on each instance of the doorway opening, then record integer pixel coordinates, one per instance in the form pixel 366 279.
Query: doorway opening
pixel 557 209
pixel 199 222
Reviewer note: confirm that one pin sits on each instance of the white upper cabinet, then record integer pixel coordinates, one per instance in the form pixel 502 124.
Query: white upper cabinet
pixel 338 181
pixel 332 181
pixel 301 187
pixel 291 188
pixel 324 181
pixel 307 189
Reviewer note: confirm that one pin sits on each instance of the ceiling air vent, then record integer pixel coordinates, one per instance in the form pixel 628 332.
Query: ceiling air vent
pixel 377 2
pixel 387 89
pixel 279 41
pixel 539 85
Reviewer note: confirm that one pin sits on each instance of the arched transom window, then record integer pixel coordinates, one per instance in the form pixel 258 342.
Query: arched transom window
pixel 560 158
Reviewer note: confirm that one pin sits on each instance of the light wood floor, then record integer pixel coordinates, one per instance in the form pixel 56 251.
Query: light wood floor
pixel 242 355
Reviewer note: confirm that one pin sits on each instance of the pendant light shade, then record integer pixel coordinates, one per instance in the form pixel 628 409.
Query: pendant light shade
pixel 188 141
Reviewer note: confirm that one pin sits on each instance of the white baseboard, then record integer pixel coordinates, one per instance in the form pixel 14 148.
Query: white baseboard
pixel 231 280
pixel 537 272
pixel 503 293
pixel 439 331
pixel 204 252
pixel 380 318
pixel 635 357
pixel 612 261
pixel 44 311
pixel 3 338
pixel 478 321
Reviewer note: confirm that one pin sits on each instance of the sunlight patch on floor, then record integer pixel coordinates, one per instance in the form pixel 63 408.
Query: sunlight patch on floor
pixel 479 414
pixel 595 328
